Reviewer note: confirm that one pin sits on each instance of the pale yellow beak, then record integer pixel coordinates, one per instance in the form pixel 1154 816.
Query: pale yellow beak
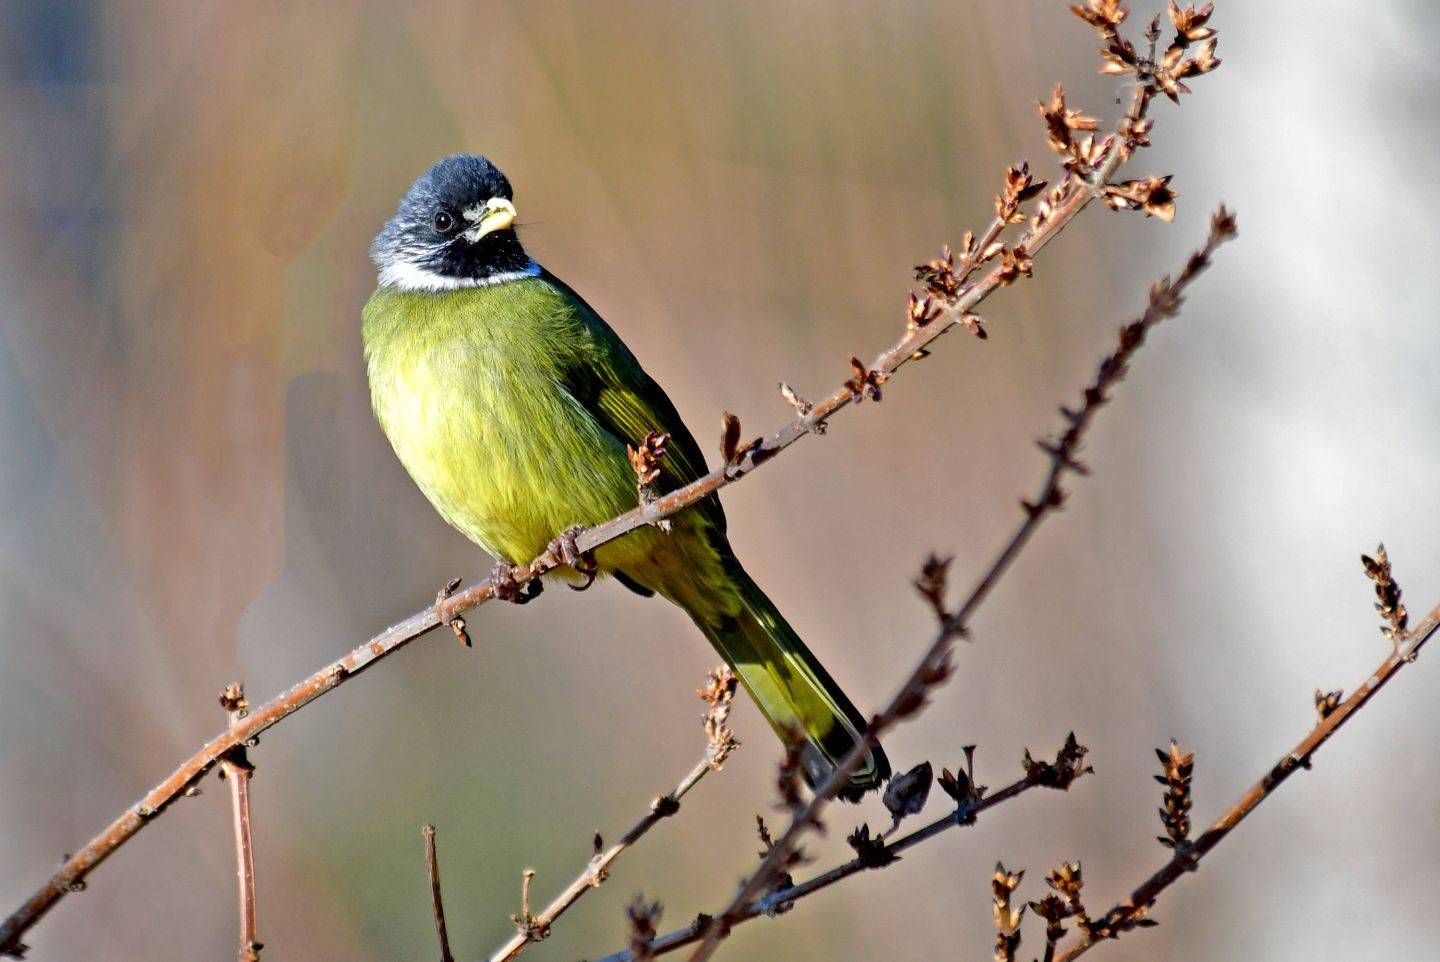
pixel 496 214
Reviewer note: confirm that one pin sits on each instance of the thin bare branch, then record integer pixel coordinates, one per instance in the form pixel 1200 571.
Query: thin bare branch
pixel 432 864
pixel 719 695
pixel 1133 911
pixel 236 768
pixel 1090 164
pixel 970 800
pixel 933 668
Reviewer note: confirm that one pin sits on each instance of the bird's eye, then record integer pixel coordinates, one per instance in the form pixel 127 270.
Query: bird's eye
pixel 444 221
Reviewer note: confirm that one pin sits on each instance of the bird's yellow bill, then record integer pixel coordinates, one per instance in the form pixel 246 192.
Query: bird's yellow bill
pixel 496 214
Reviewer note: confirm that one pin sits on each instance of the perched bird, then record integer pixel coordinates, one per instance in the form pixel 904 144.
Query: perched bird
pixel 511 404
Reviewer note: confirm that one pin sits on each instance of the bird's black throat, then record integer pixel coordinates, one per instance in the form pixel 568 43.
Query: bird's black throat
pixel 492 256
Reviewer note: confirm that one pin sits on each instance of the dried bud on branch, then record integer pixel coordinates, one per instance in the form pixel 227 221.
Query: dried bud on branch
pixel 870 851
pixel 1153 195
pixel 1327 701
pixel 921 312
pixel 932 580
pixel 939 276
pixel 1179 769
pixel 906 794
pixel 644 918
pixel 1174 67
pixel 802 406
pixel 646 461
pixel 1060 774
pixel 1167 74
pixel 1190 23
pixel 730 439
pixel 1067 881
pixel 1104 15
pixel 1136 132
pixel 232 699
pixel 1061 122
pixel 1019 188
pixel 767 842
pixel 864 382
pixel 1387 594
pixel 527 925
pixel 1062 903
pixel 1007 919
pixel 961 787
pixel 1014 263
pixel 719 695
pixel 1053 200
pixel 1053 910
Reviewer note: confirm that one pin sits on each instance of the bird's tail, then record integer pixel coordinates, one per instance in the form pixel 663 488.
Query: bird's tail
pixel 792 688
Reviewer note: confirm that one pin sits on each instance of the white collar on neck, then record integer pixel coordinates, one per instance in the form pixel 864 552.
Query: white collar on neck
pixel 405 276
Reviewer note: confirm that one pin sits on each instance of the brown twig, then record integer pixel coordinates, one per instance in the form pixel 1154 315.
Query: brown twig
pixel 1165 300
pixel 236 769
pixel 971 802
pixel 1134 910
pixel 437 904
pixel 719 695
pixel 1092 164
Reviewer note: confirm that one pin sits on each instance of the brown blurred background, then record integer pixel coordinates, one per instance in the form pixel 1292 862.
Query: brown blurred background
pixel 192 489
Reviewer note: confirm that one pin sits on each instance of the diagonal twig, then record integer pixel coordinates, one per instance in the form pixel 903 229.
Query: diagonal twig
pixel 1091 170
pixel 719 695
pixel 1333 715
pixel 84 861
pixel 1068 767
pixel 1165 300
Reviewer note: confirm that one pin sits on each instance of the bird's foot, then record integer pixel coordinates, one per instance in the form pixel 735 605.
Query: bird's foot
pixel 507 587
pixel 456 623
pixel 565 548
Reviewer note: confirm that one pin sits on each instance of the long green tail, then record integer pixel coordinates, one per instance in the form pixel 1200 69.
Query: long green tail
pixel 792 688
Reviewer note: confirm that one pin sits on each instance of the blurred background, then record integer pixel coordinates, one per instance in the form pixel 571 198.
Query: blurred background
pixel 192 489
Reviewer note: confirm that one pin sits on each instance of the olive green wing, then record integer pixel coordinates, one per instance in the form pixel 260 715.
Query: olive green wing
pixel 609 383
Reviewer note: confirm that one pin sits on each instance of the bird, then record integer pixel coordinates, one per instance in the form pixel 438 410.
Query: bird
pixel 513 406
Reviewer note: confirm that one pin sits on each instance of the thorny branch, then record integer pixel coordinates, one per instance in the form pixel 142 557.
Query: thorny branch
pixel 1090 164
pixel 934 666
pixel 970 801
pixel 1332 715
pixel 718 695
pixel 437 904
pixel 235 767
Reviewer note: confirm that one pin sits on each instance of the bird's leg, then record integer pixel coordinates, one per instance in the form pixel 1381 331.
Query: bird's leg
pixel 509 588
pixel 456 623
pixel 565 548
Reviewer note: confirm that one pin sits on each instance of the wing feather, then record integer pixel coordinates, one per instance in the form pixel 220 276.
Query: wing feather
pixel 615 390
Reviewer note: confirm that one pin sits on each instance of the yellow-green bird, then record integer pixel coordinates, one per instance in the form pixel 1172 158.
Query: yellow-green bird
pixel 511 404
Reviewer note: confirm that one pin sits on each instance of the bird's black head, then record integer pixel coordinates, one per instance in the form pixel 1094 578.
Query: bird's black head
pixel 454 228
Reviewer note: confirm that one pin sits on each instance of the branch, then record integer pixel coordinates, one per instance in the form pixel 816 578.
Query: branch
pixel 1333 715
pixel 934 667
pixel 719 694
pixel 970 799
pixel 236 769
pixel 432 863
pixel 1089 164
